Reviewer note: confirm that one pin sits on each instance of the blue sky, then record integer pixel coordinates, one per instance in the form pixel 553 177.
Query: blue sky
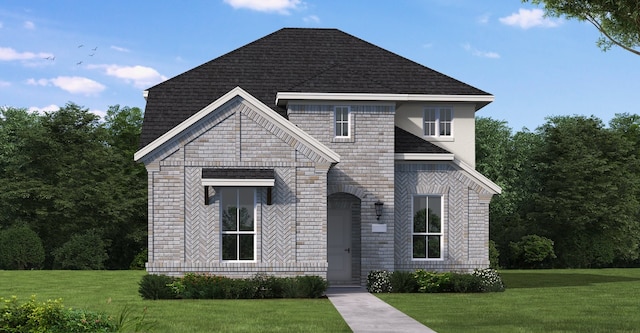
pixel 102 53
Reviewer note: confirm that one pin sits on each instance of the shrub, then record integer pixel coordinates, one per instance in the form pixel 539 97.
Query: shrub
pixel 21 248
pixel 466 283
pixel 532 251
pixel 379 282
pixel 139 260
pixel 490 280
pixel 494 255
pixel 311 286
pixel 433 282
pixel 403 282
pixel 50 316
pixel 156 287
pixel 82 251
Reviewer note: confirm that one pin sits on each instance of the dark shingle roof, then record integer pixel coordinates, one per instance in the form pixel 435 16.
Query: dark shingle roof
pixel 406 142
pixel 292 60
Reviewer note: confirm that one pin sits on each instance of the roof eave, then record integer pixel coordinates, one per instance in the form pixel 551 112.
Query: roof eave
pixel 282 98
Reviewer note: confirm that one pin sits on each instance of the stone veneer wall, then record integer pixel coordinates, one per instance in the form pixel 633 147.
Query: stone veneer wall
pixel 184 232
pixel 465 216
pixel 366 169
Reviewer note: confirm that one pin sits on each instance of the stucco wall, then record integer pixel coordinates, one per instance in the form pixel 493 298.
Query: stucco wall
pixel 409 116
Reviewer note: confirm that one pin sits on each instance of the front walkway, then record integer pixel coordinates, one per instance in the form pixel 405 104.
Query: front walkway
pixel 366 313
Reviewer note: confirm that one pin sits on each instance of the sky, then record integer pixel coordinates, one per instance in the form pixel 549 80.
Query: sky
pixel 99 54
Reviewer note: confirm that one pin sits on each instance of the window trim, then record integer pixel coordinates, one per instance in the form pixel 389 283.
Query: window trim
pixel 438 122
pixel 427 233
pixel 238 232
pixel 335 121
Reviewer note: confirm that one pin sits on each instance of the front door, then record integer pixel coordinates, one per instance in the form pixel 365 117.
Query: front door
pixel 339 245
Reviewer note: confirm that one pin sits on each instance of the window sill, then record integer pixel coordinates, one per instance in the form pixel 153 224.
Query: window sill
pixel 343 139
pixel 439 138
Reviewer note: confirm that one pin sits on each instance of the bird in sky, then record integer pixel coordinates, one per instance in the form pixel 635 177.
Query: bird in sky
pixel 81 45
pixel 94 49
pixel 91 55
pixel 79 63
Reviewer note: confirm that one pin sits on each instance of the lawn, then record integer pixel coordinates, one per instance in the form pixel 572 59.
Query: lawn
pixel 606 300
pixel 112 291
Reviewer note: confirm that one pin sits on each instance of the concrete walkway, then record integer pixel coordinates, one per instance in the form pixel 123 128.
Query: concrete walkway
pixel 365 313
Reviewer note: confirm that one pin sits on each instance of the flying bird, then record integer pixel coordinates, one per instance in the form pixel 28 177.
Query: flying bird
pixel 94 49
pixel 91 55
pixel 79 63
pixel 81 45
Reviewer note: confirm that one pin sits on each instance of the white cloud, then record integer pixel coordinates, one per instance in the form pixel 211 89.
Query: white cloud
pixel 278 6
pixel 72 84
pixel 48 108
pixel 4 84
pixel 139 76
pixel 9 54
pixel 479 53
pixel 119 49
pixel 1 26
pixel 529 18
pixel 29 25
pixel 311 19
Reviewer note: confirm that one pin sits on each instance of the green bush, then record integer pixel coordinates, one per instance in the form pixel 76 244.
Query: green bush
pixel 139 260
pixel 403 282
pixel 433 282
pixel 310 286
pixel 82 251
pixel 494 255
pixel 51 317
pixel 21 248
pixel 156 287
pixel 379 282
pixel 465 283
pixel 207 286
pixel 532 251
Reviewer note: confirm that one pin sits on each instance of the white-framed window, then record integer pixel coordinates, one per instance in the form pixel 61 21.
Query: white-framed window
pixel 238 239
pixel 438 121
pixel 427 230
pixel 342 122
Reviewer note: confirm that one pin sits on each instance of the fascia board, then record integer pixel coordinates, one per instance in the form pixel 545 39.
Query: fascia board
pixel 238 182
pixel 480 178
pixel 296 132
pixel 482 100
pixel 423 157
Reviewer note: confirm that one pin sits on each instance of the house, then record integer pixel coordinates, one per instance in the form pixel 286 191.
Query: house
pixel 313 152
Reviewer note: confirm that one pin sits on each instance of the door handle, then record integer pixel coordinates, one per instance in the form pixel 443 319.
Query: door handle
pixel 348 250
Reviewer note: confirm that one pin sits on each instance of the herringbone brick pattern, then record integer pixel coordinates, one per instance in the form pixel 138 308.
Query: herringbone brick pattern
pixel 278 227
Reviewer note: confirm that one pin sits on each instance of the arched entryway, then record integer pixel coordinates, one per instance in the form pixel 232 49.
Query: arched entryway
pixel 343 239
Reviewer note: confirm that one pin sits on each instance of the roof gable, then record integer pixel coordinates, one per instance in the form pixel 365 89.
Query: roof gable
pixel 300 136
pixel 292 60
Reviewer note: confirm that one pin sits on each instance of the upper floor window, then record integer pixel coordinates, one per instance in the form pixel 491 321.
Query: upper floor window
pixel 427 230
pixel 342 121
pixel 438 121
pixel 238 223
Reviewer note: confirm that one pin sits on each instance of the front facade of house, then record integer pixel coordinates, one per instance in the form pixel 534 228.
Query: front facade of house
pixel 293 155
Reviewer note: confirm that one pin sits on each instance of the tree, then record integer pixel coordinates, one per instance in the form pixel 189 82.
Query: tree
pixel 617 20
pixel 587 195
pixel 82 251
pixel 532 251
pixel 21 248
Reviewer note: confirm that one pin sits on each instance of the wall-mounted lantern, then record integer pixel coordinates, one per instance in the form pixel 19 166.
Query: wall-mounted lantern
pixel 378 206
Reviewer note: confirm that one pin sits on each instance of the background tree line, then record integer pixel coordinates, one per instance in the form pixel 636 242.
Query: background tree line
pixel 71 195
pixel 570 191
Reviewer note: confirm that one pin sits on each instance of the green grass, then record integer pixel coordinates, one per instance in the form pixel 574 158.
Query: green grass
pixel 606 300
pixel 112 291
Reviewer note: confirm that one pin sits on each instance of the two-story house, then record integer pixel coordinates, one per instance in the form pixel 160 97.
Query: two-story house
pixel 310 151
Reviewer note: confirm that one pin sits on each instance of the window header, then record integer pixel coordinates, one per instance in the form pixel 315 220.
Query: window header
pixel 238 177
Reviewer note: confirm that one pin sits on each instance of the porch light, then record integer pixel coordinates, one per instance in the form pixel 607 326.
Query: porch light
pixel 378 206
